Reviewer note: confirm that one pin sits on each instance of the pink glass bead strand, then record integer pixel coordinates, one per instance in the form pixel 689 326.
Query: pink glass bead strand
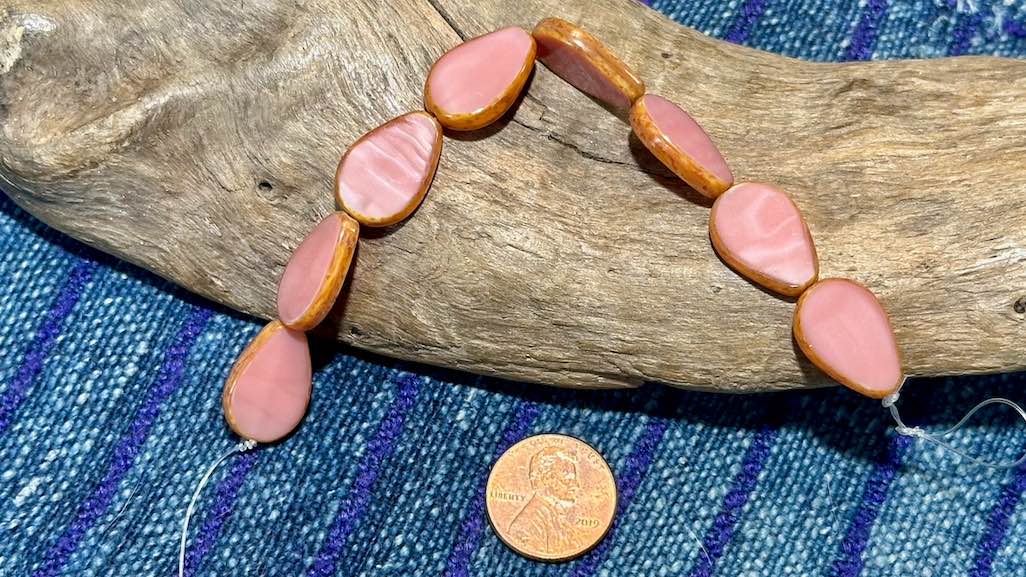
pixel 755 228
pixel 380 181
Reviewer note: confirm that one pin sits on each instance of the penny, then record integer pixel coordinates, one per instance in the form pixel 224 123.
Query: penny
pixel 551 497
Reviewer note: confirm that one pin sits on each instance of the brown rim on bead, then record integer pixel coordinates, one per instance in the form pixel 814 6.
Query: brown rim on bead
pixel 489 113
pixel 606 64
pixel 436 153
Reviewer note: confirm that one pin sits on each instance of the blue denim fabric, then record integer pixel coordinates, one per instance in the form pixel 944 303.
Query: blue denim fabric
pixel 109 411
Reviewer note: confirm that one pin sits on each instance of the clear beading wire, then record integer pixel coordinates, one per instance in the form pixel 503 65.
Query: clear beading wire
pixel 890 403
pixel 239 448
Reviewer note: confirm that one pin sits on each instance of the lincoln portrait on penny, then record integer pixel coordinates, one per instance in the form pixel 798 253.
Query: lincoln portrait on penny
pixel 546 521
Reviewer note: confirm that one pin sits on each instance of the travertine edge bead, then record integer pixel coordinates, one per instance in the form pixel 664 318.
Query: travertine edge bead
pixel 856 333
pixel 288 409
pixel 359 187
pixel 690 154
pixel 742 216
pixel 601 74
pixel 466 110
pixel 342 231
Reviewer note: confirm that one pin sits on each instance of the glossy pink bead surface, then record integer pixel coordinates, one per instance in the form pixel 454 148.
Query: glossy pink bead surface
pixel 686 134
pixel 843 329
pixel 306 270
pixel 384 176
pixel 269 388
pixel 479 78
pixel 759 230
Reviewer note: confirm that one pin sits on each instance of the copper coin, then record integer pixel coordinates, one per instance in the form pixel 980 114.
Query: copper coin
pixel 551 497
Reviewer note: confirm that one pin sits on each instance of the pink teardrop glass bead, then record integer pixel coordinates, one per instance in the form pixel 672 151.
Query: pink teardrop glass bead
pixel 681 144
pixel 268 390
pixel 475 83
pixel 759 231
pixel 315 273
pixel 842 328
pixel 384 176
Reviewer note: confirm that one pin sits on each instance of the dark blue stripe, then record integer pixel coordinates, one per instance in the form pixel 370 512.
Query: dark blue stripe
pixel 45 340
pixel 962 36
pixel 224 502
pixel 472 529
pixel 379 449
pixel 863 39
pixel 722 530
pixel 997 524
pixel 634 472
pixel 878 485
pixel 749 14
pixel 1015 28
pixel 96 505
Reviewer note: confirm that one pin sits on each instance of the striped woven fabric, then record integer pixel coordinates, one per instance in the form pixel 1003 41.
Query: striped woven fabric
pixel 109 411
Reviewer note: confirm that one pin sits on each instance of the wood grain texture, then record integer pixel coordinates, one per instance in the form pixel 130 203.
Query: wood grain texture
pixel 198 139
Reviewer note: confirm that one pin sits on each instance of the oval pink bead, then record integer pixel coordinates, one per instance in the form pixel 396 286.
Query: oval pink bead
pixel 759 231
pixel 681 144
pixel 845 331
pixel 474 84
pixel 268 390
pixel 315 273
pixel 384 176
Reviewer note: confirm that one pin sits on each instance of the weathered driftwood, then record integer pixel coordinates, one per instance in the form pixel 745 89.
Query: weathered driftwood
pixel 198 139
